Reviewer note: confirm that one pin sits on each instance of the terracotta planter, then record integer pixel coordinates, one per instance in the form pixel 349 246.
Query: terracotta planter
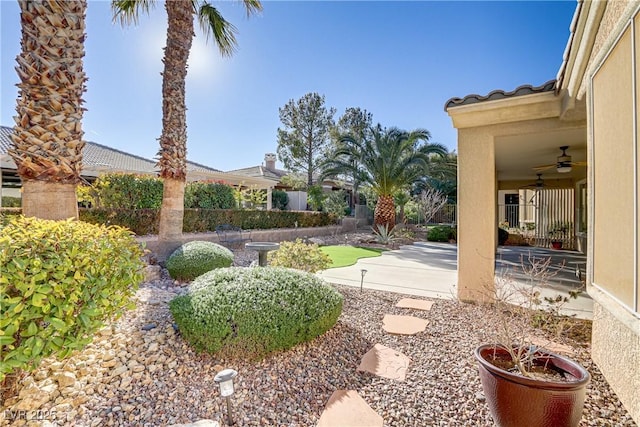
pixel 556 245
pixel 519 401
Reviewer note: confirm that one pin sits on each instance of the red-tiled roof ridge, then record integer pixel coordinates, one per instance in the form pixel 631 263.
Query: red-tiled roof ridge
pixel 525 89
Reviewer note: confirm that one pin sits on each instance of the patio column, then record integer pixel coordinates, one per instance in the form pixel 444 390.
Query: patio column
pixel 269 194
pixel 477 232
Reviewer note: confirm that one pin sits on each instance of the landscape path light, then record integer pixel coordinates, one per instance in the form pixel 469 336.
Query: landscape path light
pixel 362 272
pixel 224 379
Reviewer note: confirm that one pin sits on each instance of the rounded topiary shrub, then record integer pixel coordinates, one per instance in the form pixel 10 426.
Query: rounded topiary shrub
pixel 251 312
pixel 59 282
pixel 299 255
pixel 441 233
pixel 196 258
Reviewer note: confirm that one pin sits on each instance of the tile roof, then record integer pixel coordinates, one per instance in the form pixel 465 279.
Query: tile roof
pixel 261 171
pixel 98 157
pixel 500 94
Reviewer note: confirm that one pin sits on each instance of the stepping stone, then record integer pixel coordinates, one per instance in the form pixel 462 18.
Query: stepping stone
pixel 346 408
pixel 403 325
pixel 417 304
pixel 385 362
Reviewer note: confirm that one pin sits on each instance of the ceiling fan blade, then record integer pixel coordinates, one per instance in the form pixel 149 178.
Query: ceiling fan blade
pixel 578 163
pixel 543 167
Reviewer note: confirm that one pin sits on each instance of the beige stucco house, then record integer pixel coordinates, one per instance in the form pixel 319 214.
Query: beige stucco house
pixel 505 138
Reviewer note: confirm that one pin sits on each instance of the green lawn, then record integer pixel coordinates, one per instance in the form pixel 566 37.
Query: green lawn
pixel 342 256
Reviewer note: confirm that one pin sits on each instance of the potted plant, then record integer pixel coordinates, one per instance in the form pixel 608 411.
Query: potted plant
pixel 557 233
pixel 526 385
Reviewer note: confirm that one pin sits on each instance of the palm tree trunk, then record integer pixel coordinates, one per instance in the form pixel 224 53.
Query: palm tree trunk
pixel 49 200
pixel 47 142
pixel 385 212
pixel 173 141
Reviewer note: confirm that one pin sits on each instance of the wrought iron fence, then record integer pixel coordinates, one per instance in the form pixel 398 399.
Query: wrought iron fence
pixel 546 220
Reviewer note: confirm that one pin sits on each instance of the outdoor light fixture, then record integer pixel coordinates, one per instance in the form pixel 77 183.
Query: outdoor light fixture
pixel 563 167
pixel 563 162
pixel 224 379
pixel 362 272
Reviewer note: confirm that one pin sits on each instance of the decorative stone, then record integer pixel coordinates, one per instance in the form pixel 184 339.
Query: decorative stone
pixel 201 423
pixel 346 408
pixel 32 397
pixel 149 326
pixel 151 273
pixel 65 379
pixel 416 304
pixel 385 362
pixel 403 325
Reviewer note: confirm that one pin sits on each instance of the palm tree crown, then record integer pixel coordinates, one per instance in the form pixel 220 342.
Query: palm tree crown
pixel 386 160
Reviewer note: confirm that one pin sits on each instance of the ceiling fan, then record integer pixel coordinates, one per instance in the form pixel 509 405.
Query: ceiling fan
pixel 538 183
pixel 563 163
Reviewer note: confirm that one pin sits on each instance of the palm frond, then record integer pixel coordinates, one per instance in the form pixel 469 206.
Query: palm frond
pixel 128 11
pixel 214 25
pixel 252 6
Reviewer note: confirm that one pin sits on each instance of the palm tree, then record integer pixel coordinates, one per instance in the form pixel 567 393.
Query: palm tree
pixel 386 160
pixel 173 141
pixel 47 140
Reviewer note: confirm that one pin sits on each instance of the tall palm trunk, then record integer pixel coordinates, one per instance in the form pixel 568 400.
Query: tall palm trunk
pixel 385 212
pixel 47 142
pixel 173 141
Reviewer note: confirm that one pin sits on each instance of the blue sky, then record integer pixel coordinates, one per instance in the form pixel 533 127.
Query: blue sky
pixel 399 60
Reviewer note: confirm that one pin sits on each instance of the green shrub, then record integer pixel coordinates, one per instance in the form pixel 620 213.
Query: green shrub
pixel 299 255
pixel 207 195
pixel 251 312
pixel 145 221
pixel 122 191
pixel 503 235
pixel 441 233
pixel 336 203
pixel 60 281
pixel 11 202
pixel 315 197
pixel 196 258
pixel 139 221
pixel 279 199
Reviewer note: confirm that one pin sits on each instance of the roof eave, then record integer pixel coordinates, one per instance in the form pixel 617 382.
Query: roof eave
pixel 536 106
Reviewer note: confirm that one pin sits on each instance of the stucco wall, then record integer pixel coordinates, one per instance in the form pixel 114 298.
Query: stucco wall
pixel 616 351
pixel 613 171
pixel 614 194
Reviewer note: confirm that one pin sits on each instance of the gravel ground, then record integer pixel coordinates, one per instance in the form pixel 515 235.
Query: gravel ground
pixel 140 372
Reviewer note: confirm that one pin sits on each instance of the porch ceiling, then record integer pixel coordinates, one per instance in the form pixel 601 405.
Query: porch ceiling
pixel 517 155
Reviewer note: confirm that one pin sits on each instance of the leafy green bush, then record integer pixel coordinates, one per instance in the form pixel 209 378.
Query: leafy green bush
pixel 196 258
pixel 299 255
pixel 441 233
pixel 279 199
pixel 315 197
pixel 139 221
pixel 122 191
pixel 336 203
pixel 251 312
pixel 11 202
pixel 208 195
pixel 145 221
pixel 60 281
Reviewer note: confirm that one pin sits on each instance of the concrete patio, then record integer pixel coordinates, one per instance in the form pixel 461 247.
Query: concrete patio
pixel 429 269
